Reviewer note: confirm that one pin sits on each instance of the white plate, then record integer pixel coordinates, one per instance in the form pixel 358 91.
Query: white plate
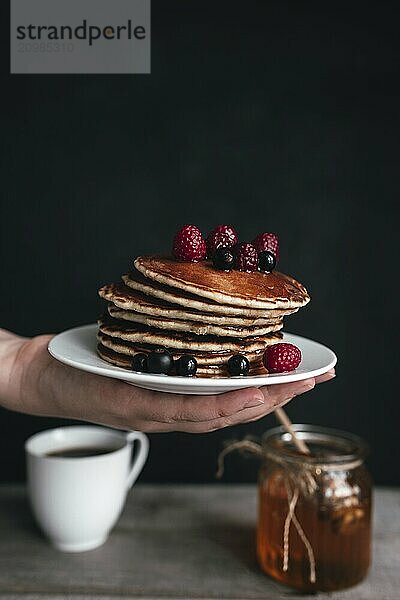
pixel 77 348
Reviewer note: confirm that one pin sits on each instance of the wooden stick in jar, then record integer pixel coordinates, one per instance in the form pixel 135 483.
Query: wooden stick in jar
pixel 288 425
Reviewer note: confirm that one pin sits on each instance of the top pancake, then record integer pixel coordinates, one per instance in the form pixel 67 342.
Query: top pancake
pixel 253 290
pixel 138 282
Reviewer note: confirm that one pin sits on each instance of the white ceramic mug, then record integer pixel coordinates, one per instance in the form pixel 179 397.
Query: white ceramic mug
pixel 77 501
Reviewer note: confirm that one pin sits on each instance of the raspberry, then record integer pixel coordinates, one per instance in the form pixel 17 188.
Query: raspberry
pixel 267 241
pixel 189 244
pixel 279 358
pixel 246 257
pixel 223 236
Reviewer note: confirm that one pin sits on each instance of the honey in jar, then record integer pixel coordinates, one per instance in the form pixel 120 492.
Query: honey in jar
pixel 314 526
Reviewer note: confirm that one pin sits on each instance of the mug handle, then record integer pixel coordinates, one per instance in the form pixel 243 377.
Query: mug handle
pixel 140 456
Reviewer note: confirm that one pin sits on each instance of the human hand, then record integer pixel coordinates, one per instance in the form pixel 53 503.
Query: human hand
pixel 38 384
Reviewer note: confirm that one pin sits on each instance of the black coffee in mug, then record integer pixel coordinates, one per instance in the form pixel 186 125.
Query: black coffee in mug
pixel 80 451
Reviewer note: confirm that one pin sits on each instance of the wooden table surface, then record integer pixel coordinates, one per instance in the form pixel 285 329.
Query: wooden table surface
pixel 173 542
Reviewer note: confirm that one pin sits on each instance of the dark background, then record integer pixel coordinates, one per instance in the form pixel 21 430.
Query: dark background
pixel 271 116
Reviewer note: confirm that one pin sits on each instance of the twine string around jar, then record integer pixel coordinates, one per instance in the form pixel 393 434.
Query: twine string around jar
pixel 292 500
pixel 245 445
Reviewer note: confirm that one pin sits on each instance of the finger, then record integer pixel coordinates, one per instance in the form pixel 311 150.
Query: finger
pixel 284 396
pixel 207 413
pixel 175 408
pixel 247 414
pixel 326 376
pixel 308 385
pixel 276 394
pixel 280 405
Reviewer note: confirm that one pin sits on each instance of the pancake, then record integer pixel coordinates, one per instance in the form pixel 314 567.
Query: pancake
pixel 136 281
pixel 127 298
pixel 252 290
pixel 193 326
pixel 203 370
pixel 203 357
pixel 136 332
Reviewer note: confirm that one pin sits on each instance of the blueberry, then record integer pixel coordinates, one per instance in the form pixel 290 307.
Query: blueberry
pixel 159 361
pixel 238 365
pixel 266 261
pixel 186 365
pixel 139 362
pixel 223 259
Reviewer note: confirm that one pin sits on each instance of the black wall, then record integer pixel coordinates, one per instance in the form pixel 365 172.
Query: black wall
pixel 267 115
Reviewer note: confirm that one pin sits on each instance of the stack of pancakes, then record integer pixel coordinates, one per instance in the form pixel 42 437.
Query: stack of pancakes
pixel 192 308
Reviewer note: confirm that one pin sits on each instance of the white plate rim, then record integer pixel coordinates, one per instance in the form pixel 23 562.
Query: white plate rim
pixel 177 384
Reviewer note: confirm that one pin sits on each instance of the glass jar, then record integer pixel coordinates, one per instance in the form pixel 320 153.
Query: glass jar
pixel 314 525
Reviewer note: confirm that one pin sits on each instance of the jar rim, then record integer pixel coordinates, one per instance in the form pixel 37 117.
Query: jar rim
pixel 353 446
